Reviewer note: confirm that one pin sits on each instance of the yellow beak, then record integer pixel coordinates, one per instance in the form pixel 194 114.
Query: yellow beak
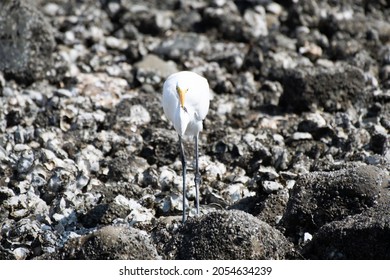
pixel 181 94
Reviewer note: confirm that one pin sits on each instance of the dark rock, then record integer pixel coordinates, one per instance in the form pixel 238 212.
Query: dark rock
pixel 384 75
pixel 246 237
pixel 123 167
pixel 359 237
pixel 145 18
pixel 225 20
pixel 334 89
pixel 322 197
pixel 111 243
pixel 26 41
pixel 109 191
pixel 156 150
pixel 379 143
pixel 268 208
pixel 94 217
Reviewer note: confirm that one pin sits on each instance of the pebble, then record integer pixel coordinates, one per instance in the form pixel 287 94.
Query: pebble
pixel 139 115
pixel 166 178
pixel 302 136
pixel 271 186
pixel 256 22
pixel 154 64
pixel 268 172
pixel 21 253
pixel 115 43
pixel 182 44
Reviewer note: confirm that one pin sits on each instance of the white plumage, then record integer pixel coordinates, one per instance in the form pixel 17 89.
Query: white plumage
pixel 186 119
pixel 186 100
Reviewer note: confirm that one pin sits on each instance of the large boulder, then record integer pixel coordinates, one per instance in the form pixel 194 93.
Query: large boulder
pixel 225 235
pixel 322 197
pixel 362 236
pixel 26 41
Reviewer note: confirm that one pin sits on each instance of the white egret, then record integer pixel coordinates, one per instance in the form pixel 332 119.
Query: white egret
pixel 186 100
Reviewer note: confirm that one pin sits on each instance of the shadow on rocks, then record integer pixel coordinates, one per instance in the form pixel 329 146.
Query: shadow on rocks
pixel 362 236
pixel 319 198
pixel 228 235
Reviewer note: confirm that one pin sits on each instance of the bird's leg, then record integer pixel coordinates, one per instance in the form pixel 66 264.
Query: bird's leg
pixel 184 166
pixel 197 174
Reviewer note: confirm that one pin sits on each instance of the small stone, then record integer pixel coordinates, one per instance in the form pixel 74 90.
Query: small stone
pixel 307 237
pixel 302 136
pixel 268 172
pixel 182 44
pixel 163 21
pixel 151 70
pixel 64 93
pixel 115 43
pixel 256 22
pixel 235 192
pixel 21 253
pixel 215 171
pixel 139 115
pixel 312 122
pixel 271 186
pixel 166 178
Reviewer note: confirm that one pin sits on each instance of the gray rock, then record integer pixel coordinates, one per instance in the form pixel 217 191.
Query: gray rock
pixel 245 237
pixel 271 186
pixel 318 198
pixel 153 64
pixel 25 239
pixel 256 23
pixel 359 237
pixel 332 89
pixel 266 207
pixel 229 55
pixel 111 243
pixel 183 44
pixel 227 19
pixel 312 122
pixel 27 41
pixel 126 167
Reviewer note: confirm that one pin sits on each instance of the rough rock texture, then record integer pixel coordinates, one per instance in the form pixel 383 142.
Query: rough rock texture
pixel 321 197
pixel 26 42
pixel 306 87
pixel 363 236
pixel 246 238
pixel 109 243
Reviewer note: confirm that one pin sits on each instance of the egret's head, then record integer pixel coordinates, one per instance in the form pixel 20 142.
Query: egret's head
pixel 181 91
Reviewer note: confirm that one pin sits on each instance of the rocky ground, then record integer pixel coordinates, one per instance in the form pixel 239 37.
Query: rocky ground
pixel 295 156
